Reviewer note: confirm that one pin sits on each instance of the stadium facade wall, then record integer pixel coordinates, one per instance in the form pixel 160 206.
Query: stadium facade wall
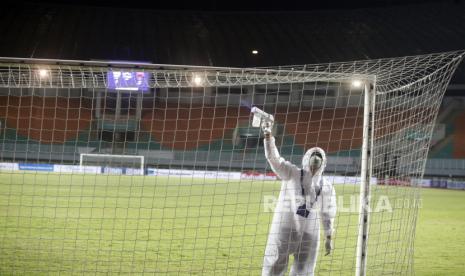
pixel 6 167
pixel 202 174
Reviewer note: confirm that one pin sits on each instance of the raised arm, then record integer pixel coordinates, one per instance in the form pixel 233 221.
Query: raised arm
pixel 281 167
pixel 328 213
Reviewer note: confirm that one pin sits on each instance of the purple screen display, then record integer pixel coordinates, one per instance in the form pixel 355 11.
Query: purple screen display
pixel 131 81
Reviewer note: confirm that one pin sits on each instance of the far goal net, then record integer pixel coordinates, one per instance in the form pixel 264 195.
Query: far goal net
pixel 76 138
pixel 113 163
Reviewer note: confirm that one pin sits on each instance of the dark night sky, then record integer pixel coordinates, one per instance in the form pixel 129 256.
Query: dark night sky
pixel 239 5
pixel 223 33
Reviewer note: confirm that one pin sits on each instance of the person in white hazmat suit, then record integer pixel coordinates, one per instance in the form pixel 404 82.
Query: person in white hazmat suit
pixel 304 198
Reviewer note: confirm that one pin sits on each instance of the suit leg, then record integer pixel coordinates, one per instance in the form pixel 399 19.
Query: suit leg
pixel 306 255
pixel 278 249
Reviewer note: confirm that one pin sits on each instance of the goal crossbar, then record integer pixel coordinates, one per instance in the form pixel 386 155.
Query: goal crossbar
pixel 66 74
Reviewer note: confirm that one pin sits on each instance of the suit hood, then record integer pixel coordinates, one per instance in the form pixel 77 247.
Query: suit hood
pixel 306 160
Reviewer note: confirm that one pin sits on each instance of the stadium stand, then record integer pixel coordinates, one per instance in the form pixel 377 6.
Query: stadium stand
pixel 46 119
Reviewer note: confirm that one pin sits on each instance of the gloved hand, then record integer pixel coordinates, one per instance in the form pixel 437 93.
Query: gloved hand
pixel 267 127
pixel 328 245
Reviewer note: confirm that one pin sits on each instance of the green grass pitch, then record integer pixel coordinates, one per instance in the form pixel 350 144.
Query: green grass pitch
pixel 94 224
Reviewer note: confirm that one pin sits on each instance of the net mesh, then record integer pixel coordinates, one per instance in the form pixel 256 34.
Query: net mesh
pixel 409 92
pixel 205 203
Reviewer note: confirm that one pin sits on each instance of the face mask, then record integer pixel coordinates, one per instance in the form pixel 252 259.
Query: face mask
pixel 315 163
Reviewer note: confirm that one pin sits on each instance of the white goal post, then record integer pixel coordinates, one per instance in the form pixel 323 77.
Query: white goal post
pixel 133 162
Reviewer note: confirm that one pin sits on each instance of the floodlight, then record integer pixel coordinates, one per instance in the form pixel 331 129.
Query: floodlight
pixel 357 83
pixel 44 73
pixel 198 80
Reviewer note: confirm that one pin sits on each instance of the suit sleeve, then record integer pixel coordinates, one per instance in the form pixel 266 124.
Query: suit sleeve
pixel 281 167
pixel 328 207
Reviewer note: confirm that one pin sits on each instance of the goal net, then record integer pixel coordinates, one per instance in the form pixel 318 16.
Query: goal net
pixel 74 135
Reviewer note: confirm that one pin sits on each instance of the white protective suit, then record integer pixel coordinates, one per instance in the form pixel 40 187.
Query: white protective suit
pixel 291 233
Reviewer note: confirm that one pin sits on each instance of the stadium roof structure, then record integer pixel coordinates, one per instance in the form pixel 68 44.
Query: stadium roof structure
pixel 228 38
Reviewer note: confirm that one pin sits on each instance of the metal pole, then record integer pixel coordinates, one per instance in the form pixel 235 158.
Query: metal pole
pixel 80 162
pixel 142 165
pixel 361 255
